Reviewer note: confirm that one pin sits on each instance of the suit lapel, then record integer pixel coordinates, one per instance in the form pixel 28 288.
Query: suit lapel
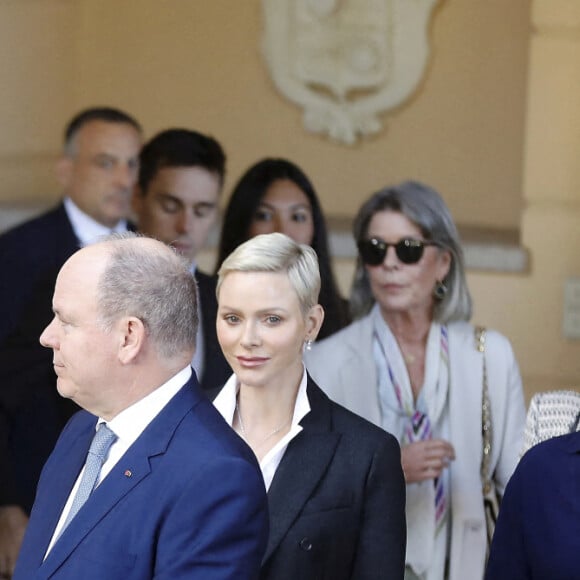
pixel 62 470
pixel 303 465
pixel 131 469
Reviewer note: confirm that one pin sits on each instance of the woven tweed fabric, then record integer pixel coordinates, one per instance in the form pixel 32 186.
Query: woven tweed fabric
pixel 551 414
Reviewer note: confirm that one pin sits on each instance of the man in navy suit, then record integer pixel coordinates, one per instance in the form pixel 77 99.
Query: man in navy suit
pixel 537 536
pixel 179 495
pixel 181 175
pixel 97 171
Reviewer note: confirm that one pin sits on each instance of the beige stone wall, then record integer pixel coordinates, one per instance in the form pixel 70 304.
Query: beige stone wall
pixel 173 62
pixel 551 220
pixel 500 144
pixel 37 60
pixel 200 64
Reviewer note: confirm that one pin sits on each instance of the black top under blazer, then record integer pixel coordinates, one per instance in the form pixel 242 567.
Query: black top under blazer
pixel 216 370
pixel 337 500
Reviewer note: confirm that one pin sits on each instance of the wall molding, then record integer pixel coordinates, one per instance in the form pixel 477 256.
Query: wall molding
pixel 485 249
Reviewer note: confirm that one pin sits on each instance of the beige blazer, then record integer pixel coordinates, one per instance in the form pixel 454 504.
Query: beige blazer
pixel 343 366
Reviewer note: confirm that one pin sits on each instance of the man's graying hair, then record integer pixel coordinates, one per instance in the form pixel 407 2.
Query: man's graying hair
pixel 154 286
pixel 104 114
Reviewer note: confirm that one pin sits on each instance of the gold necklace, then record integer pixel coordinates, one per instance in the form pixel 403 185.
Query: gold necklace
pixel 260 443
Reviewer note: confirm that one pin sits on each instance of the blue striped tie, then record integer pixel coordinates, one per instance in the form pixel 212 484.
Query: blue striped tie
pixel 98 452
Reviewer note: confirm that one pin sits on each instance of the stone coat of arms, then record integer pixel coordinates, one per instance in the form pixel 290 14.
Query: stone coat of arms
pixel 345 61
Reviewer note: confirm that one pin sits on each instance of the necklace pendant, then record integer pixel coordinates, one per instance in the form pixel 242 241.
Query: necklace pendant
pixel 257 444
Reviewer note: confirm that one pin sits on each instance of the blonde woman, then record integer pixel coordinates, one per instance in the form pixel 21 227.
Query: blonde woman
pixel 335 486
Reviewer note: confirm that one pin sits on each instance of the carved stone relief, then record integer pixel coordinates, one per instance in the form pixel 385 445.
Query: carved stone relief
pixel 346 61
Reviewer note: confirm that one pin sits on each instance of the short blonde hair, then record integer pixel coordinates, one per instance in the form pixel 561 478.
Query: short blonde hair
pixel 277 253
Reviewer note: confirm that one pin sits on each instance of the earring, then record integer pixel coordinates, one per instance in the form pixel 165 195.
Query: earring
pixel 308 344
pixel 440 290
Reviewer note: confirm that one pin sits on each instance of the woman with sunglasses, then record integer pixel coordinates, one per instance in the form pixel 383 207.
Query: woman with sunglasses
pixel 411 365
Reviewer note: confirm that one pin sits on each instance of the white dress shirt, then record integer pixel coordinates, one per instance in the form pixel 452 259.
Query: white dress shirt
pixel 128 426
pixel 225 403
pixel 86 229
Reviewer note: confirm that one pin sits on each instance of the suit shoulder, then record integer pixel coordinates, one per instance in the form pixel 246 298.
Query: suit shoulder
pixel 214 435
pixel 465 331
pixel 34 227
pixel 36 243
pixel 550 452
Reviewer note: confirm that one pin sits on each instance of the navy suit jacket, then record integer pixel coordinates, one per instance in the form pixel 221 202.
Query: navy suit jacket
pixel 186 500
pixel 31 412
pixel 337 500
pixel 537 536
pixel 31 256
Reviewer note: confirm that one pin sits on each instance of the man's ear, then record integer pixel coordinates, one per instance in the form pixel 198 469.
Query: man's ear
pixel 132 334
pixel 63 170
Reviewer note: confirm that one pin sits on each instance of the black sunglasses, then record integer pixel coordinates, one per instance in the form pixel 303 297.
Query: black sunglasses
pixel 408 250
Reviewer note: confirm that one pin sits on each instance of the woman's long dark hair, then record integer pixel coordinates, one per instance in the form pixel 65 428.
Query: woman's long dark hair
pixel 247 196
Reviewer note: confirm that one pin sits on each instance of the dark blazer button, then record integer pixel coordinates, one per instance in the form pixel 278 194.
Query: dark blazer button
pixel 305 544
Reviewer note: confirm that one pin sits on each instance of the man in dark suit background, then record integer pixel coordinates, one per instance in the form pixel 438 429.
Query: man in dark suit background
pixel 181 176
pixel 97 172
pixel 177 494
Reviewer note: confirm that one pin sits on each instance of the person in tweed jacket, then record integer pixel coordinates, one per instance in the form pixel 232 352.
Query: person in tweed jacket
pixel 551 414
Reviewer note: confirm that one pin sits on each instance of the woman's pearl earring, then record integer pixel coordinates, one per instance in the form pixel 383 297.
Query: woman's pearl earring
pixel 308 345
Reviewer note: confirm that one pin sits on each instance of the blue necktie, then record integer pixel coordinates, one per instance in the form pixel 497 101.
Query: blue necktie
pixel 98 452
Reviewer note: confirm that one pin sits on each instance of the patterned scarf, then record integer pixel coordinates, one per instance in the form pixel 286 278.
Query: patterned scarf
pixel 419 423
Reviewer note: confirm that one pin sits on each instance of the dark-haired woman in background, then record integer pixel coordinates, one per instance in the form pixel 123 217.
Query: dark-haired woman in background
pixel 275 195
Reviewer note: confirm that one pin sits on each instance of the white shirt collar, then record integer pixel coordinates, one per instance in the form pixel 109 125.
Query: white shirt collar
pixel 225 403
pixel 131 422
pixel 128 426
pixel 86 229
